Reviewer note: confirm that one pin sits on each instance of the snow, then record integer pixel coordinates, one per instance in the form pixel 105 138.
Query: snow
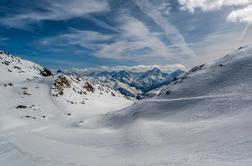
pixel 203 118
pixel 15 68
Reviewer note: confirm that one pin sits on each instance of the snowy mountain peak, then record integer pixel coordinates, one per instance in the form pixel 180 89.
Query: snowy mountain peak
pixel 154 71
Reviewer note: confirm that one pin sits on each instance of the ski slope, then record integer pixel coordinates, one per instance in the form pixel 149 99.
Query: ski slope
pixel 203 118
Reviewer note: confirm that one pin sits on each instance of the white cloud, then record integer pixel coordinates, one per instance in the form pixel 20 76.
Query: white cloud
pixel 53 10
pixel 208 5
pixel 137 68
pixel 242 14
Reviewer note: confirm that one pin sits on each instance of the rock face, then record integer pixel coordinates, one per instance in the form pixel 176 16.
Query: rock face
pixel 46 73
pixel 60 84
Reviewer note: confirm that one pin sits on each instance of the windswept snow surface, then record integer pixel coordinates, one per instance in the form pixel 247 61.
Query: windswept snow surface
pixel 203 118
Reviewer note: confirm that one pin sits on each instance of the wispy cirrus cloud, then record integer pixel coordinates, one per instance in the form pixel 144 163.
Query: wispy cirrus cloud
pixel 82 38
pixel 52 10
pixel 132 38
pixel 132 31
pixel 3 39
pixel 134 41
pixel 170 31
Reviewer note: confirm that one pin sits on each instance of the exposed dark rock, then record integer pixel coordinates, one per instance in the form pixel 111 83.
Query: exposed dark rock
pixel 60 84
pixel 168 92
pixel 46 73
pixel 89 87
pixel 112 94
pixel 196 68
pixel 26 93
pixel 28 116
pixel 21 107
pixel 16 67
pixel 6 63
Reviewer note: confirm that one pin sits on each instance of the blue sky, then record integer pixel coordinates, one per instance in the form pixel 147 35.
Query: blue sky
pixel 93 33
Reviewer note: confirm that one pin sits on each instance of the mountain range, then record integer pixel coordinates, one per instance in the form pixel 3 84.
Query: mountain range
pixel 129 83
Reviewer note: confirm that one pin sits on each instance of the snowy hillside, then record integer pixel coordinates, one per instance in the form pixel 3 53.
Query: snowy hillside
pixel 29 91
pixel 202 118
pixel 74 93
pixel 15 68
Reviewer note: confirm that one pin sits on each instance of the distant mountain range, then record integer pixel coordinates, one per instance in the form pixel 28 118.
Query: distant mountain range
pixel 129 83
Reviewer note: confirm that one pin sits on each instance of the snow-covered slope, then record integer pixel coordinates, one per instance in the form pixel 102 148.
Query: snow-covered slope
pixel 17 69
pixel 202 118
pixel 29 91
pixel 74 93
pixel 222 87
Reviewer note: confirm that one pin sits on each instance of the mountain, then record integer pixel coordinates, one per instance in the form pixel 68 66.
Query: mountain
pixel 143 82
pixel 204 92
pixel 34 91
pixel 203 117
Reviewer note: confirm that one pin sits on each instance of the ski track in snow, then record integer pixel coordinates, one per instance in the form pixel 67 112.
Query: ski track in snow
pixel 191 98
